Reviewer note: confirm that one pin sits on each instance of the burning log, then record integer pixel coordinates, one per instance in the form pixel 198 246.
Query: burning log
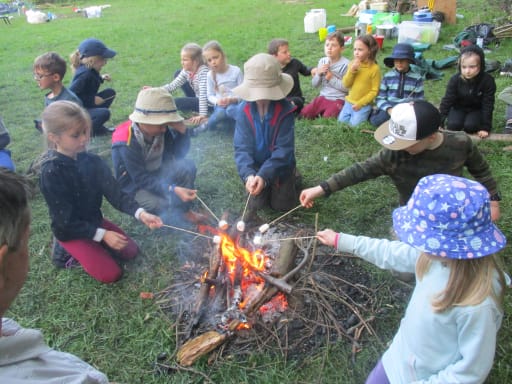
pixel 239 307
pixel 207 281
pixel 201 345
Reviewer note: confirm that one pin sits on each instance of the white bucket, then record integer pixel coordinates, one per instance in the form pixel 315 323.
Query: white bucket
pixel 314 20
pixel 91 12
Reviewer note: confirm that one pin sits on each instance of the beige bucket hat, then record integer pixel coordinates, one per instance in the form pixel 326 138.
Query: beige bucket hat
pixel 263 79
pixel 155 106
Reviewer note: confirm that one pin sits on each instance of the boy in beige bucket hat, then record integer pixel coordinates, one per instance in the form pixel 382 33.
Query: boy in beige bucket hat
pixel 264 135
pixel 148 155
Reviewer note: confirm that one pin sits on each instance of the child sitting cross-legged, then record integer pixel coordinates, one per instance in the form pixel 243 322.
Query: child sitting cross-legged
pixel 400 85
pixel 327 76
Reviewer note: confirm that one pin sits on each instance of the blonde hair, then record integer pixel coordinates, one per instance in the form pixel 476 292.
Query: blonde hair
pixel 194 51
pixel 214 45
pixel 470 282
pixel 61 116
pixel 76 60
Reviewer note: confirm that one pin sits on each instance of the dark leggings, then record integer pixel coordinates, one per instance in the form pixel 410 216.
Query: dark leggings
pixel 464 120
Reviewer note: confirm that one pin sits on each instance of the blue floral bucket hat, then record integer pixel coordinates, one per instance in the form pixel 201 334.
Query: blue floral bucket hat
pixel 449 216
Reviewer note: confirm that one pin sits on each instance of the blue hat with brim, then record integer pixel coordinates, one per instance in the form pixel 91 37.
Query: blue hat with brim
pixel 95 47
pixel 449 216
pixel 402 51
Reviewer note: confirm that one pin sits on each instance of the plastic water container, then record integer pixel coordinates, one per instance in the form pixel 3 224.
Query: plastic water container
pixel 422 16
pixel 314 20
pixel 366 15
pixel 418 32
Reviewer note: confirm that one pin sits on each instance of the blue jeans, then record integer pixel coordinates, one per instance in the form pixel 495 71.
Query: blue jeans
pixel 222 117
pixel 379 118
pixel 348 115
pixel 5 160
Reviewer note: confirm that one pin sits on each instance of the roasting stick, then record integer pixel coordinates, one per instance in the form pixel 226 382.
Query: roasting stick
pixel 246 204
pixel 263 228
pixel 287 213
pixel 240 226
pixel 186 230
pixel 292 238
pixel 209 210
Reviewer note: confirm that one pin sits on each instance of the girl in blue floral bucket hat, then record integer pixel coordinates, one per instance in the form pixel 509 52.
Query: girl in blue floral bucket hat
pixel 448 332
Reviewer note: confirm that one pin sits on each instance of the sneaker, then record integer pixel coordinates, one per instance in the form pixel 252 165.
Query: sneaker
pixel 508 127
pixel 60 257
pixel 103 131
pixel 200 128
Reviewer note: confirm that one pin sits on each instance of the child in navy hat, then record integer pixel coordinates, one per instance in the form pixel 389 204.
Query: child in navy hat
pixel 399 85
pixel 87 62
pixel 448 333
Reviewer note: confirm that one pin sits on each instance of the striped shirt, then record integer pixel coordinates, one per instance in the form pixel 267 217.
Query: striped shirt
pixel 198 82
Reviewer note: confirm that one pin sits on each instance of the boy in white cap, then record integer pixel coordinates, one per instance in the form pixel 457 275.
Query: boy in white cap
pixel 448 333
pixel 414 147
pixel 148 155
pixel 264 135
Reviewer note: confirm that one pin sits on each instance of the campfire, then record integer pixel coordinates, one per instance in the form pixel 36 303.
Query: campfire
pixel 244 281
pixel 271 285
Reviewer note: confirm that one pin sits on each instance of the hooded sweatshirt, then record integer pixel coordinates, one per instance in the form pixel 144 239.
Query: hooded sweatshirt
pixel 473 94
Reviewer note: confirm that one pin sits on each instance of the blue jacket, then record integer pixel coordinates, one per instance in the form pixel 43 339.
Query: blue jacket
pixel 85 84
pixel 129 163
pixel 74 190
pixel 265 149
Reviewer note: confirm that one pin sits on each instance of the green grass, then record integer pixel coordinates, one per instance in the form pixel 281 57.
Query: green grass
pixel 109 326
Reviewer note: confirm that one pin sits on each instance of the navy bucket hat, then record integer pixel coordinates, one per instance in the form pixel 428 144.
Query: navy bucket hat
pixel 400 51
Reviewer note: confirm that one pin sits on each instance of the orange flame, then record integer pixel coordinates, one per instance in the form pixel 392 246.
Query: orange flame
pixel 245 262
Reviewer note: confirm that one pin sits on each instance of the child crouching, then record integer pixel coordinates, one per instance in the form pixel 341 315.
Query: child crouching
pixel 73 182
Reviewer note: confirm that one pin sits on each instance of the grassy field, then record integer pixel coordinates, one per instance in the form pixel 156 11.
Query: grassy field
pixel 110 326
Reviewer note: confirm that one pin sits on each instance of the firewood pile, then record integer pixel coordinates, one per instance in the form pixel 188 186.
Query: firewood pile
pixel 309 299
pixel 503 31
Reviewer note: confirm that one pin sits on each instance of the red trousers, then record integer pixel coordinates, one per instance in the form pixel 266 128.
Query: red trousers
pixel 95 257
pixel 322 107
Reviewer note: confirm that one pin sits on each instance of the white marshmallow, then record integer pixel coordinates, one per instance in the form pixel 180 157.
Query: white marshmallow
pixel 257 240
pixel 240 226
pixel 216 239
pixel 223 224
pixel 264 228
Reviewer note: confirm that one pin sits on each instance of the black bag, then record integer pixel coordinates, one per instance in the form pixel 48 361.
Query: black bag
pixel 471 33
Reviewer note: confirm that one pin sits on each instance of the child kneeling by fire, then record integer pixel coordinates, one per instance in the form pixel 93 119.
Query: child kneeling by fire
pixel 148 155
pixel 448 333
